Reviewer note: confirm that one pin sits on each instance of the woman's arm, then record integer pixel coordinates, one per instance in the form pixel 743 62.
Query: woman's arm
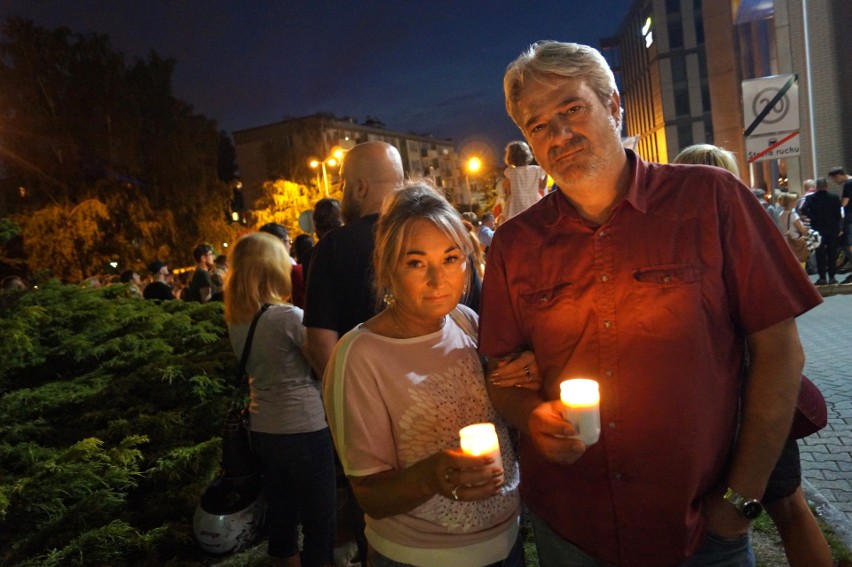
pixel 449 473
pixel 507 187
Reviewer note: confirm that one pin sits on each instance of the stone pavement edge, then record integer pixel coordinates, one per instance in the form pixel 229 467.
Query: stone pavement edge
pixel 826 333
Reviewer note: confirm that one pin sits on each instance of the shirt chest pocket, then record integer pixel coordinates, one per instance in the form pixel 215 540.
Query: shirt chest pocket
pixel 550 311
pixel 671 275
pixel 665 301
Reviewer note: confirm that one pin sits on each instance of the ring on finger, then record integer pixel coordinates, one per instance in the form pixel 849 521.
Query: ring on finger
pixel 447 475
pixel 456 492
pixel 527 372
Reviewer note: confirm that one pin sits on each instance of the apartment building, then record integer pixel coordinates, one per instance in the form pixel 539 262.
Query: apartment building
pixel 285 150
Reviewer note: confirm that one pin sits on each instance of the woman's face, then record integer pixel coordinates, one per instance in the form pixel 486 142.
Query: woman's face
pixel 429 279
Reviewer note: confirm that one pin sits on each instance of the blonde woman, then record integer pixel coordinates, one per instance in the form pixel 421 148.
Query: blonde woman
pixel 400 386
pixel 289 432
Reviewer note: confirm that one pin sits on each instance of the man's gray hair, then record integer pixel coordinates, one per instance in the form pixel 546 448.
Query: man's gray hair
pixel 549 59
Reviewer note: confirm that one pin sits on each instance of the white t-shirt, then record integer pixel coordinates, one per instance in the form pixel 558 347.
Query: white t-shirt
pixel 393 402
pixel 787 221
pixel 524 184
pixel 284 396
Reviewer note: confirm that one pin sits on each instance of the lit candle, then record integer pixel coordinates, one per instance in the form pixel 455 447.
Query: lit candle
pixel 481 439
pixel 581 408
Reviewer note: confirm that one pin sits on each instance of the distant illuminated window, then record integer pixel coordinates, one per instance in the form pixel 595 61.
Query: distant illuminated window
pixel 647 33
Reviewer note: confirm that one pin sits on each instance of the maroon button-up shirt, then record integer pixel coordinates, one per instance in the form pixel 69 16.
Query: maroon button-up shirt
pixel 655 305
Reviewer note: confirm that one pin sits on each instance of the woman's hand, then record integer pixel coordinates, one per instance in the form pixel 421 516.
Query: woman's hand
pixel 518 370
pixel 462 477
pixel 450 473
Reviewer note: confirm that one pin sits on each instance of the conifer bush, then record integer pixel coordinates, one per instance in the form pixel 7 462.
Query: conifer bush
pixel 112 408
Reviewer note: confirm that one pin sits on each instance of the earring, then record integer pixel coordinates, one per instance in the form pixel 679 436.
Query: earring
pixel 389 299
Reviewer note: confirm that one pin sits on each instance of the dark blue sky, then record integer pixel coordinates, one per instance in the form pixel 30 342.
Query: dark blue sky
pixel 432 67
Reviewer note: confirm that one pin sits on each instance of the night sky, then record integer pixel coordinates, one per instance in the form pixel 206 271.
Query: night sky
pixel 431 67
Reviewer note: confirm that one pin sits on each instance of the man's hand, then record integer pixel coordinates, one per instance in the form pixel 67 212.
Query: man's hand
pixel 722 518
pixel 550 434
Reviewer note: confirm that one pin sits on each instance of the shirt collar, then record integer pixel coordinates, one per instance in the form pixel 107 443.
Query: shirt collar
pixel 560 207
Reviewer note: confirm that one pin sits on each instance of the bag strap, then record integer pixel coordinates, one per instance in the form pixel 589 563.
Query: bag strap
pixel 247 347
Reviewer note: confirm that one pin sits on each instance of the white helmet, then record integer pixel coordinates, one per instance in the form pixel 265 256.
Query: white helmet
pixel 230 515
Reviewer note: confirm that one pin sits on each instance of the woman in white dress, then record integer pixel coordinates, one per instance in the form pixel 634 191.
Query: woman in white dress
pixel 523 184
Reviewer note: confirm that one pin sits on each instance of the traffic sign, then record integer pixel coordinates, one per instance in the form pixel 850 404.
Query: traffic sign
pixel 771 105
pixel 773 146
pixel 306 221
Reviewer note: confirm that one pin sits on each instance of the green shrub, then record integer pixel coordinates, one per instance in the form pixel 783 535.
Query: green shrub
pixel 111 413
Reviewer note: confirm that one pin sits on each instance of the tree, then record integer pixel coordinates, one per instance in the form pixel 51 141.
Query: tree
pixel 73 252
pixel 77 124
pixel 283 201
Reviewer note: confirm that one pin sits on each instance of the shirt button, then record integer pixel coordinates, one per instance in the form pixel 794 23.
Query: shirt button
pixel 604 278
pixel 611 424
pixel 601 234
pixel 608 372
pixel 667 279
pixel 607 323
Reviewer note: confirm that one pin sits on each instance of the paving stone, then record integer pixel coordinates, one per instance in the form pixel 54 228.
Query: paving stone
pixel 826 334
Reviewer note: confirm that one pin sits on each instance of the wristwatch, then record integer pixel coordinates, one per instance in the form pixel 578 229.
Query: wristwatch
pixel 749 509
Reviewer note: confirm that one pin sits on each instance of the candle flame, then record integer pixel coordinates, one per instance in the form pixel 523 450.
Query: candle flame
pixel 580 392
pixel 479 439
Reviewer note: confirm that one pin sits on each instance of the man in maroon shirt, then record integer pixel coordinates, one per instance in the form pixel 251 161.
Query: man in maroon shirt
pixel 651 280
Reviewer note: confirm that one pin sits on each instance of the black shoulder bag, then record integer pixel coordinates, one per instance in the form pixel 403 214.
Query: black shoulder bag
pixel 238 459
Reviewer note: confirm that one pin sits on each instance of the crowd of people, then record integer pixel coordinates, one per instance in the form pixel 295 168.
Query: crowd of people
pixel 408 321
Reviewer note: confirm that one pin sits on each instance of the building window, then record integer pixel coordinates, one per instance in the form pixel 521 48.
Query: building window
pixel 678 63
pixel 684 134
pixel 699 28
pixel 675 33
pixel 681 96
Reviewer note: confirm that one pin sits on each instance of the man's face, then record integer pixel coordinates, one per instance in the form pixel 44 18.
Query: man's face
pixel 840 179
pixel 350 207
pixel 209 260
pixel 573 135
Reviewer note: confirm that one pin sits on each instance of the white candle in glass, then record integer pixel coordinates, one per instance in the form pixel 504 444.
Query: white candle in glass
pixel 581 407
pixel 481 439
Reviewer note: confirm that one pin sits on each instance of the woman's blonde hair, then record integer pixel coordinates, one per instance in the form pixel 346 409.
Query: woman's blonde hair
pixel 708 154
pixel 417 200
pixel 785 199
pixel 259 273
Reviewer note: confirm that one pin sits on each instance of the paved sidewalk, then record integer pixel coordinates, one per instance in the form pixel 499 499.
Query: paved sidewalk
pixel 826 333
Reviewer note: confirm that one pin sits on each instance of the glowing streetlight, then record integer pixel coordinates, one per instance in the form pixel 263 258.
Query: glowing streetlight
pixel 333 160
pixel 473 165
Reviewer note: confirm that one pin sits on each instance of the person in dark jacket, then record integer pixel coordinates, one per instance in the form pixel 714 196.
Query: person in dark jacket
pixel 823 209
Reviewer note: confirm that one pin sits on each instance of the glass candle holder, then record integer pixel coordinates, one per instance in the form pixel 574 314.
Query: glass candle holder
pixel 581 408
pixel 481 439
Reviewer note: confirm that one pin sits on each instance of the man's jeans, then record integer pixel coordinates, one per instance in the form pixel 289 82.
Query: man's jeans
pixel 553 551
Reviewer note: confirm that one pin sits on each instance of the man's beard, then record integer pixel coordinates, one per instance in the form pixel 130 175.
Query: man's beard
pixel 350 209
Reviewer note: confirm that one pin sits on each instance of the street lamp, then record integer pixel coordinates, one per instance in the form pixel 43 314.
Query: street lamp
pixel 332 161
pixel 473 165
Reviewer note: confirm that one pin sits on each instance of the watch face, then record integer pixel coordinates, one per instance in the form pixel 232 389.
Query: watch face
pixel 752 509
